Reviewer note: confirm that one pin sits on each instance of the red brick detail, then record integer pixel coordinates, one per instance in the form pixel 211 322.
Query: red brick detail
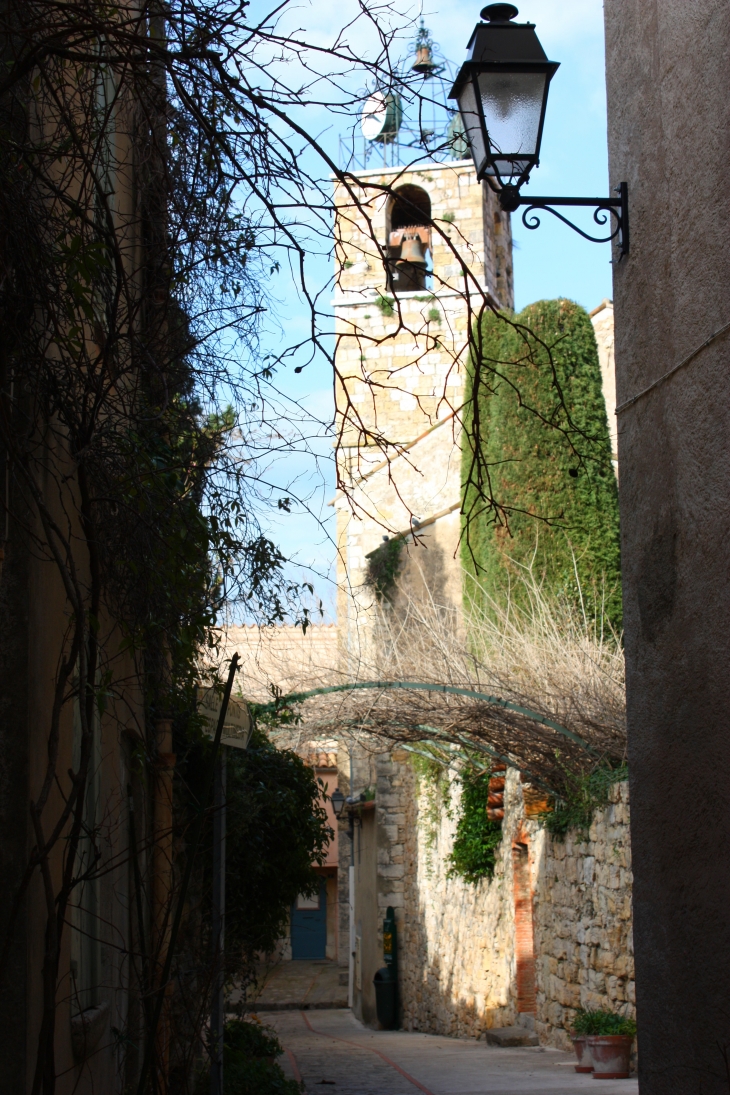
pixel 524 930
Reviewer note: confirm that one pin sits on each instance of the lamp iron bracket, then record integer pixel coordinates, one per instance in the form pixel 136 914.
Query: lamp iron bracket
pixel 615 210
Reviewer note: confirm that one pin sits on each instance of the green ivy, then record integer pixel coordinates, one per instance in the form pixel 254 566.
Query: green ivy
pixel 585 794
pixel 383 567
pixel 536 441
pixel 434 788
pixel 473 855
pixel 386 305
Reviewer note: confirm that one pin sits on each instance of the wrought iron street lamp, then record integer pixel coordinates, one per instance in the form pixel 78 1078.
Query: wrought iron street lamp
pixel 338 801
pixel 502 91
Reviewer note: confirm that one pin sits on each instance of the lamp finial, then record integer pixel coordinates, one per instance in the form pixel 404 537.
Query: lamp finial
pixel 499 13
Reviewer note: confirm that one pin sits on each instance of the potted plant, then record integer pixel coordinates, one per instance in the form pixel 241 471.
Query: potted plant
pixel 583 1025
pixel 608 1042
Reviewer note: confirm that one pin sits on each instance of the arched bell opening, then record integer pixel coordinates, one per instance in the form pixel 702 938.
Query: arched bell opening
pixel 409 239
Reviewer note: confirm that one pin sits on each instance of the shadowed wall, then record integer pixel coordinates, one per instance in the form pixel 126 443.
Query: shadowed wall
pixel 669 119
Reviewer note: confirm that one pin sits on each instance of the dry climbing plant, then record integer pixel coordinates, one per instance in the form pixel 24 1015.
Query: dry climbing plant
pixel 529 680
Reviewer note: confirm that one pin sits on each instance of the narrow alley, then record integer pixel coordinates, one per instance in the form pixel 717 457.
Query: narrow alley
pixel 330 1048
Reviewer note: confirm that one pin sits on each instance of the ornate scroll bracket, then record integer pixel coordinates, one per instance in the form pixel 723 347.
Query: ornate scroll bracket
pixel 605 210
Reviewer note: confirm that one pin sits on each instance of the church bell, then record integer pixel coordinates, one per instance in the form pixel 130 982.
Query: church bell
pixel 412 250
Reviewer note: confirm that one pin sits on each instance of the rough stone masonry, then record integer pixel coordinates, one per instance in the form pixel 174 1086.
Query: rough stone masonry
pixel 459 958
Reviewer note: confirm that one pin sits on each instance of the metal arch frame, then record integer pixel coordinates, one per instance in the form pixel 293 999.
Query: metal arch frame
pixel 603 209
pixel 425 686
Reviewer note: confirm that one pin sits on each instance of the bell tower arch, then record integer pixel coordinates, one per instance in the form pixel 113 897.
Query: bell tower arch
pixel 408 238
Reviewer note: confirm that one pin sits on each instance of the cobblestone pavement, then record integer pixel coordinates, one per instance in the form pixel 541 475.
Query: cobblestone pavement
pixel 331 1050
pixel 295 985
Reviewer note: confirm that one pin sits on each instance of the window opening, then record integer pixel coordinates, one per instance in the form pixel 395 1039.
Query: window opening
pixel 409 240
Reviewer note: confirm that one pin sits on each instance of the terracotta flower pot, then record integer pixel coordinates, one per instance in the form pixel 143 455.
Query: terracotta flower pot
pixel 582 1052
pixel 611 1055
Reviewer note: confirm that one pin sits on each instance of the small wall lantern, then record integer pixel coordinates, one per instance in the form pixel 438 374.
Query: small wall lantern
pixel 502 90
pixel 338 801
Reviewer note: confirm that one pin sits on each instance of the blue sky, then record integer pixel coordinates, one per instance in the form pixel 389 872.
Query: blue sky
pixel 550 262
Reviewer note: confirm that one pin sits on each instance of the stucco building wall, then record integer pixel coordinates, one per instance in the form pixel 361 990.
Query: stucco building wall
pixel 96 942
pixel 668 125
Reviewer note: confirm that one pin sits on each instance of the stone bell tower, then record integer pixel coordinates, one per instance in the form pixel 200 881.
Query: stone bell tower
pixel 403 307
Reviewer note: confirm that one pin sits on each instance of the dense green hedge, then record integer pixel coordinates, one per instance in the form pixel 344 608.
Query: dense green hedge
pixel 549 467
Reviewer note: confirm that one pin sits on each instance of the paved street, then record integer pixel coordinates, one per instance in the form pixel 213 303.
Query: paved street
pixel 331 1049
pixel 300 985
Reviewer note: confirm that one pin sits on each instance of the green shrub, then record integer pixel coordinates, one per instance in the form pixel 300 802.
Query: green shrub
pixel 585 794
pixel 386 305
pixel 249 1076
pixel 252 1039
pixel 246 1071
pixel 536 440
pixel 383 567
pixel 277 833
pixel 252 1076
pixel 597 1021
pixel 477 838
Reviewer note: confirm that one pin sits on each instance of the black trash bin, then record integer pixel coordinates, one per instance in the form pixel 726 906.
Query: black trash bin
pixel 386 999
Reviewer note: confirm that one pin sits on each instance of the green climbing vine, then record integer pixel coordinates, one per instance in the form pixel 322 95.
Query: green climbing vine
pixel 585 794
pixel 434 798
pixel 384 566
pixel 477 839
pixel 473 854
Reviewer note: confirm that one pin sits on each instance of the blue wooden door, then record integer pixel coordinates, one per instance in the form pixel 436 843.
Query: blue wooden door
pixel 309 925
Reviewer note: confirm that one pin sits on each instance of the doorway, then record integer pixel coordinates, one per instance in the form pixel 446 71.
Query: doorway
pixel 309 925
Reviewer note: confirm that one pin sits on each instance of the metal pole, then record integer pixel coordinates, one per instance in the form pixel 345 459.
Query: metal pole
pixel 351 898
pixel 217 1012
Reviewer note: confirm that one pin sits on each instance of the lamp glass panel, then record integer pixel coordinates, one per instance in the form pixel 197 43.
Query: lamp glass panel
pixel 469 111
pixel 512 105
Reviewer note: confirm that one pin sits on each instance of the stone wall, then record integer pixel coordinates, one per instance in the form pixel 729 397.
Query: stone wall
pixel 583 925
pixel 400 377
pixel 458 945
pixel 458 961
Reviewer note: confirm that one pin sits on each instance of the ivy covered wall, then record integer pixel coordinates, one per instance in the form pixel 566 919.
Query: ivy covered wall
pixel 536 440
